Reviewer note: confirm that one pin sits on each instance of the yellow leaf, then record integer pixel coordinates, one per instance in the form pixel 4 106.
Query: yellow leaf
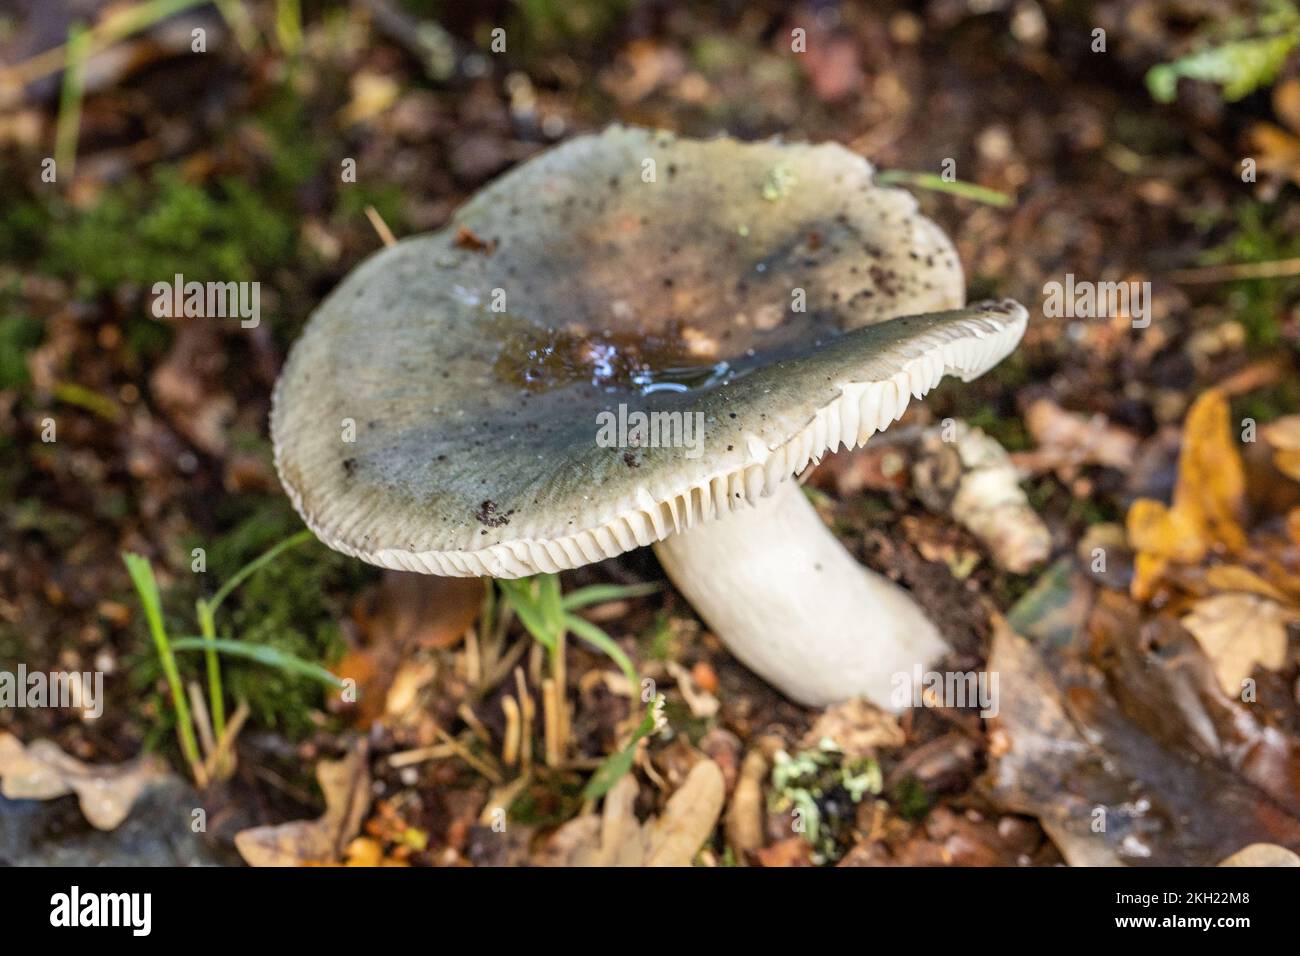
pixel 1234 577
pixel 1211 478
pixel 1208 499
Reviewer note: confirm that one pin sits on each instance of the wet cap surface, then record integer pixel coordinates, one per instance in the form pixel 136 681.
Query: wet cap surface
pixel 749 294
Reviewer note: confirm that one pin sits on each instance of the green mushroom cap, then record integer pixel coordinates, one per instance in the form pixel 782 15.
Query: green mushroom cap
pixel 628 335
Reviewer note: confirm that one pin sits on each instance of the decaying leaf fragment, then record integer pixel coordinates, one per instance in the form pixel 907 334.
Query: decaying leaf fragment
pixel 106 792
pixel 616 838
pixel 1238 631
pixel 1208 500
pixel 345 784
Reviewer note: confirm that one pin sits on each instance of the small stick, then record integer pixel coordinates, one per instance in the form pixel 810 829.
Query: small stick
pixel 1277 269
pixel 551 722
pixel 510 749
pixel 464 754
pixel 222 765
pixel 473 658
pixel 476 725
pixel 528 711
pixel 407 758
pixel 202 721
pixel 381 227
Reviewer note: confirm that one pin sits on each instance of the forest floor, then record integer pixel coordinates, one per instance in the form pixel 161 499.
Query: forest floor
pixel 1148 663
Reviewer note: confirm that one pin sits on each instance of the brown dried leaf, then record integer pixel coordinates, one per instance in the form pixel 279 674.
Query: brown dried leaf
pixel 615 838
pixel 1238 631
pixel 1067 440
pixel 345 784
pixel 688 819
pixel 105 792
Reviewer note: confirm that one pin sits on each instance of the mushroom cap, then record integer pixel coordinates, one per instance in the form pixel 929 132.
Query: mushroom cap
pixel 441 410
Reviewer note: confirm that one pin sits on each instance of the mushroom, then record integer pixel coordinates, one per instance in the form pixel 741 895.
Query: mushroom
pixel 639 339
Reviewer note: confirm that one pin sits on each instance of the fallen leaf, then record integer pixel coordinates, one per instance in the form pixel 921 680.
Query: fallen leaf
pixel 1207 502
pixel 616 838
pixel 1235 577
pixel 1123 745
pixel 1067 441
pixel 1262 854
pixel 1238 631
pixel 345 784
pixel 1283 436
pixel 792 851
pixel 744 823
pixel 105 792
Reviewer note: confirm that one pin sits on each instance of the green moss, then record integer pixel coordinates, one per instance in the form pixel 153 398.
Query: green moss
pixel 544 26
pixel 1266 404
pixel 555 798
pixel 161 225
pixel 293 604
pixel 1007 431
pixel 911 800
pixel 19 334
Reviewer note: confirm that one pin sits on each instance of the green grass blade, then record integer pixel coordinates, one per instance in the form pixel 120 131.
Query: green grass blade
pixel 617 764
pixel 262 654
pixel 601 593
pixel 598 639
pixel 68 126
pixel 256 564
pixel 955 187
pixel 527 607
pixel 146 585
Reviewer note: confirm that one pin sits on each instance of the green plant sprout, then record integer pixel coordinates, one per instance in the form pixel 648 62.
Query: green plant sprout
pixel 548 616
pixel 146 585
pixel 1236 62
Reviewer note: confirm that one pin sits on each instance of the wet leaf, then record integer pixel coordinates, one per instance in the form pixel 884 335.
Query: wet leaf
pixel 1125 747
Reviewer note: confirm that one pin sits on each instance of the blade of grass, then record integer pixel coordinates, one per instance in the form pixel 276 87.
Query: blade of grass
pixel 288 25
pixel 240 23
pixel 256 564
pixel 956 187
pixel 74 88
pixel 617 764
pixel 146 585
pixel 116 26
pixel 602 593
pixel 262 654
pixel 520 597
pixel 598 639
pixel 208 628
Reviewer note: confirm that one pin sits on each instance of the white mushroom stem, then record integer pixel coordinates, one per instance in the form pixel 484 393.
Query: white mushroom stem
pixel 785 597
